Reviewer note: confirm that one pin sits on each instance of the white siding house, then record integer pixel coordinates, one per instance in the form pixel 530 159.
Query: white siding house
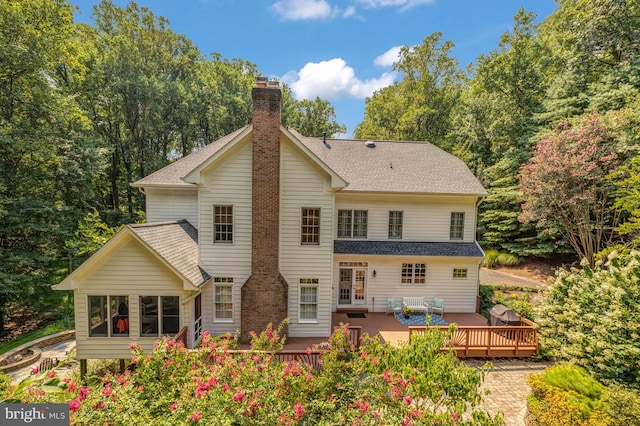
pixel 359 222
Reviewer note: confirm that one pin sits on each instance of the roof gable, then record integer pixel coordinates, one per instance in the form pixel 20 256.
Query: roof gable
pixel 175 244
pixel 171 175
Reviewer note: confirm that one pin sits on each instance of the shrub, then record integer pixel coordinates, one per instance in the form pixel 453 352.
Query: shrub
pixel 623 405
pixel 495 258
pixel 590 317
pixel 566 395
pixel 213 384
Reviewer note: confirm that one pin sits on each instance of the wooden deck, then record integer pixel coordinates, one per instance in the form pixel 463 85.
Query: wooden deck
pixel 473 338
pixel 387 326
pixel 492 341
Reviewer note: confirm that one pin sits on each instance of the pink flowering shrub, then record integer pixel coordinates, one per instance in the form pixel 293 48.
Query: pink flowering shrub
pixel 216 384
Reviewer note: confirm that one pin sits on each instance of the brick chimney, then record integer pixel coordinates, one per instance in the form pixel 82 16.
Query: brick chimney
pixel 265 294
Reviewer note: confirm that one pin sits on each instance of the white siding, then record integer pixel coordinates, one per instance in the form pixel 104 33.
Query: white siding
pixel 227 183
pixel 305 185
pixel 459 294
pixel 129 270
pixel 425 218
pixel 172 204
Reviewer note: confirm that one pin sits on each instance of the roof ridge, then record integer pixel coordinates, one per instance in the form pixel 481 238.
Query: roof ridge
pixel 153 224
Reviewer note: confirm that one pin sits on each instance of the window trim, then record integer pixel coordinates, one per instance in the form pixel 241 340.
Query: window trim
pixel 413 278
pixel 109 317
pixel 304 227
pixel 460 277
pixel 454 227
pixel 395 224
pixel 311 283
pixel 353 224
pixel 215 224
pixel 223 282
pixel 159 315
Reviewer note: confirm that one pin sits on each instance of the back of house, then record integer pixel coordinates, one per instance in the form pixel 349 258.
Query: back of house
pixel 266 224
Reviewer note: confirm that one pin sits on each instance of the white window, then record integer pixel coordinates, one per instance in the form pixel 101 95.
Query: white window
pixel 413 273
pixel 459 272
pixel 108 316
pixel 352 223
pixel 223 299
pixel 308 299
pixel 310 229
pixel 457 226
pixel 395 225
pixel 223 224
pixel 159 315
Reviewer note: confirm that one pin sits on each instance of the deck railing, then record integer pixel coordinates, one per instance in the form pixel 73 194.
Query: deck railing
pixel 182 336
pixel 310 357
pixel 490 341
pixel 355 332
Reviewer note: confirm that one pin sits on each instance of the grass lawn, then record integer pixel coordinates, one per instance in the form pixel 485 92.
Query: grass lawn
pixel 56 327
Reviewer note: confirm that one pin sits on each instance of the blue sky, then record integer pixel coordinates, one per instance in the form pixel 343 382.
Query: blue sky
pixel 339 50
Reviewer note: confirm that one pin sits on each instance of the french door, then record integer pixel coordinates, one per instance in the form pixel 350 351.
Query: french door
pixel 352 286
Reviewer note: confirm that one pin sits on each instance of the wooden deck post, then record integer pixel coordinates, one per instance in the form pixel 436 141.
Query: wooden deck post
pixel 83 369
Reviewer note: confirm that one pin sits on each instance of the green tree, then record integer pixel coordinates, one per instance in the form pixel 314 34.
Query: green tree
pixel 310 117
pixel 138 92
pixel 417 108
pixel 596 61
pixel 46 165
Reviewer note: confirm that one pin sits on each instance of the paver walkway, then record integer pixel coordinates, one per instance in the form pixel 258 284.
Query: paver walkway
pixel 507 382
pixel 59 350
pixel 490 276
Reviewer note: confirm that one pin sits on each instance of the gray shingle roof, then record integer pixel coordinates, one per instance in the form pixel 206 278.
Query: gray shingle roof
pixel 177 243
pixel 405 167
pixel 407 248
pixel 392 166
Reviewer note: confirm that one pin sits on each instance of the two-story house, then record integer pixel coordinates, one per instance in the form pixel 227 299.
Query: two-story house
pixel 265 224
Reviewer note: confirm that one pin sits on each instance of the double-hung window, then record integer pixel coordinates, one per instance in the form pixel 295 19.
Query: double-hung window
pixel 223 299
pixel 223 224
pixel 413 273
pixel 456 231
pixel 308 299
pixel 310 226
pixel 352 223
pixel 395 225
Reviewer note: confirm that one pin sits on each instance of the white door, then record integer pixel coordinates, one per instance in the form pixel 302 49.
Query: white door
pixel 359 287
pixel 352 286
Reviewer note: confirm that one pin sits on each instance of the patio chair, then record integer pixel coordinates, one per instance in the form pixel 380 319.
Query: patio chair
pixel 437 306
pixel 393 306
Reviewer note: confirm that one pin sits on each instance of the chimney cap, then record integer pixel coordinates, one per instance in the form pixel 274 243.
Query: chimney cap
pixel 262 81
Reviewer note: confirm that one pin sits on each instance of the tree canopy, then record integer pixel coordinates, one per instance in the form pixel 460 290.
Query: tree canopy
pixel 87 109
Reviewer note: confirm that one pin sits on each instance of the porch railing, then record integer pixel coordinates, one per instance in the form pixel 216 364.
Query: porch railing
pixel 308 357
pixel 182 336
pixel 490 341
pixel 355 332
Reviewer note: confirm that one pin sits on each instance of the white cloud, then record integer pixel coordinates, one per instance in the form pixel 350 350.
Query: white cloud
pixel 349 11
pixel 333 79
pixel 300 10
pixel 403 4
pixel 389 57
